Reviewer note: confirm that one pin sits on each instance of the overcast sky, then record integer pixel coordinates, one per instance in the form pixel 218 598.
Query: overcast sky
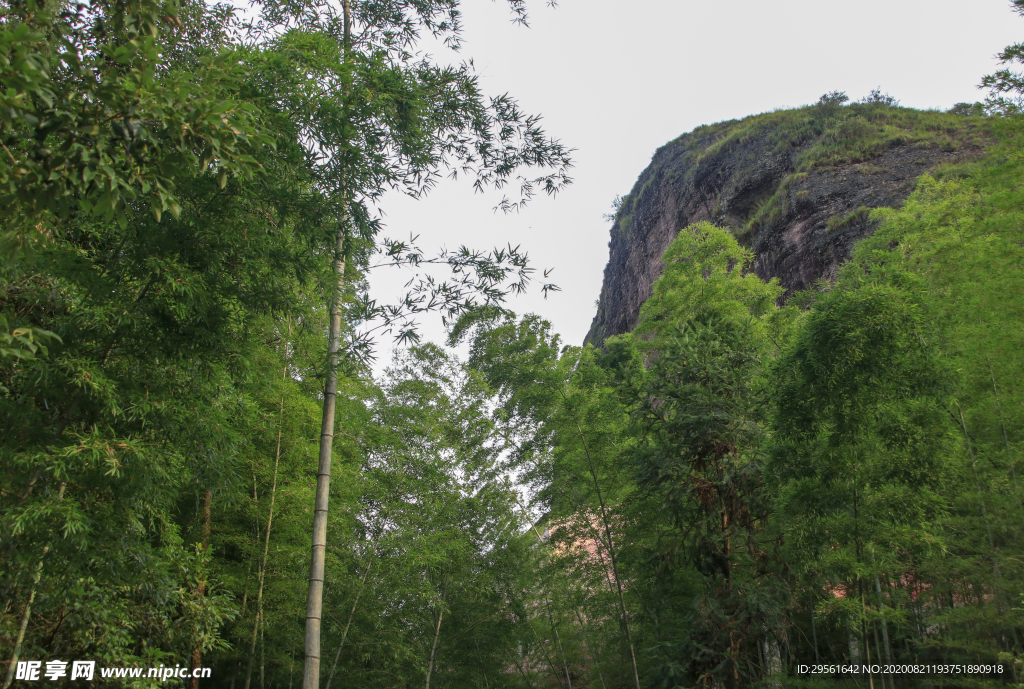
pixel 617 80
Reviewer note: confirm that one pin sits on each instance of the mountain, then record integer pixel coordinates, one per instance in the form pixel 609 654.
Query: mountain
pixel 794 186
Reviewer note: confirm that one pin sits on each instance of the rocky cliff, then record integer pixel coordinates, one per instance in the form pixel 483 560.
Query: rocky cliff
pixel 795 186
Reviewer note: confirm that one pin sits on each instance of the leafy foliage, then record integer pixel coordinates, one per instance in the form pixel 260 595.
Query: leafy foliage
pixel 1006 87
pixel 148 426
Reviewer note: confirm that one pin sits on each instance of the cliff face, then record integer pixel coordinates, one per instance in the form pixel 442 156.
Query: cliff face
pixel 794 186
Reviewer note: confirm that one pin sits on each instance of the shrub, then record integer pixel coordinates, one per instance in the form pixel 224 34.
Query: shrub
pixel 833 99
pixel 877 97
pixel 853 129
pixel 968 109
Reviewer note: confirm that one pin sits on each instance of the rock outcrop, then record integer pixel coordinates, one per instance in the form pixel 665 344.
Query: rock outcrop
pixel 794 186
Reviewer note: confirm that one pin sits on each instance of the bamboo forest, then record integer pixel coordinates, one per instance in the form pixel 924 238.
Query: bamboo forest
pixel 753 485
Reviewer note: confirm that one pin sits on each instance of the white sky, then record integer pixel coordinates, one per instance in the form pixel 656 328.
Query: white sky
pixel 617 80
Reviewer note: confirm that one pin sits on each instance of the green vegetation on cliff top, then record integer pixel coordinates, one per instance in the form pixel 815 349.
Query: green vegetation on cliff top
pixel 814 136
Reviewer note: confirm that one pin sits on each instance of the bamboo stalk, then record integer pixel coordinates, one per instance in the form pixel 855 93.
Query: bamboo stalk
pixel 977 480
pixel 547 656
pixel 540 539
pixel 522 672
pixel 558 641
pixel 589 647
pixel 433 649
pixel 482 673
pixel 885 626
pixel 314 601
pixel 9 677
pixel 266 544
pixel 547 603
pixel 315 594
pixel 601 546
pixel 864 634
pixel 1006 438
pixel 24 621
pixel 814 631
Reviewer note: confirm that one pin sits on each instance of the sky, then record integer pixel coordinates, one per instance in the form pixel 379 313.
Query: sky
pixel 615 81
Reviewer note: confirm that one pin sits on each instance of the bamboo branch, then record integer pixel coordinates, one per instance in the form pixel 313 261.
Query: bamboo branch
pixel 266 542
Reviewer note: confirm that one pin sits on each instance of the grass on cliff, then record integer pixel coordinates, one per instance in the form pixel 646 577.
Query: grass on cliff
pixel 852 134
pixel 848 134
pixel 817 136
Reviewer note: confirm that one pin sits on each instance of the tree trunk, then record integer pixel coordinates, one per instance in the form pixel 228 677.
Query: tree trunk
pixel 266 547
pixel 433 648
pixel 314 598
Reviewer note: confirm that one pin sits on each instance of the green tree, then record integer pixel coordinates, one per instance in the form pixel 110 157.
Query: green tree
pixel 698 396
pixel 378 117
pixel 560 418
pixel 861 432
pixel 94 125
pixel 142 409
pixel 440 530
pixel 1006 87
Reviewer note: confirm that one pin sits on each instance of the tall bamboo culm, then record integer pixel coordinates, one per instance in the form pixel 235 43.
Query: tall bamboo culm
pixel 258 624
pixel 315 595
pixel 314 599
